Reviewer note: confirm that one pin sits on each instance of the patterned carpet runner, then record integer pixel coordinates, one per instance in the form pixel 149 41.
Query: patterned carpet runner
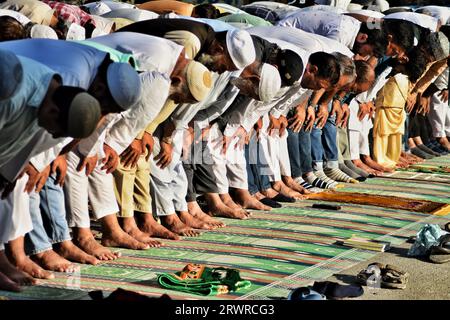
pixel 277 250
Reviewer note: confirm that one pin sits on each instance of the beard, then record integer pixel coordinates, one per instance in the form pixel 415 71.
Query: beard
pixel 207 60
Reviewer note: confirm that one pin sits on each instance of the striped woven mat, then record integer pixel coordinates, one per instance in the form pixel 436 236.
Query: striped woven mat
pixel 279 250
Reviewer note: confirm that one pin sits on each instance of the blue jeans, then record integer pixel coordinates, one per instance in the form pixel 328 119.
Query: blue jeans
pixel 324 144
pixel 299 147
pixel 257 181
pixel 48 214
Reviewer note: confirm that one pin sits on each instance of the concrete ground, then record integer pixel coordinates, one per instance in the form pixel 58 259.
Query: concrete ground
pixel 427 281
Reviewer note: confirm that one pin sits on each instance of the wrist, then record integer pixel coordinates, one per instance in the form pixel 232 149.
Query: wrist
pixel 167 140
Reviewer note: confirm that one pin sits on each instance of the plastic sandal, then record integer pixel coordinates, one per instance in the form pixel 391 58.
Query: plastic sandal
pixel 371 275
pixel 386 276
pixel 441 252
pixel 394 278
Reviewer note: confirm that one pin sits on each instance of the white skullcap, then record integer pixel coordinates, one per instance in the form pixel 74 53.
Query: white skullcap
pixel 76 32
pixel 41 31
pixel 99 8
pixel 269 83
pixel 198 79
pixel 240 48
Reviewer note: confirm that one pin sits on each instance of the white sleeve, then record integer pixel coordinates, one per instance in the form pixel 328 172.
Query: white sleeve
pixel 43 159
pixel 93 145
pixel 216 109
pixel 286 102
pixel 214 103
pixel 155 89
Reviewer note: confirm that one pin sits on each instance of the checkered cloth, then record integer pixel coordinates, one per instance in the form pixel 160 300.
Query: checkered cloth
pixel 70 13
pixel 262 12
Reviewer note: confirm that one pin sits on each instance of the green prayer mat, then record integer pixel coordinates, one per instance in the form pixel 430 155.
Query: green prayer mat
pixel 205 281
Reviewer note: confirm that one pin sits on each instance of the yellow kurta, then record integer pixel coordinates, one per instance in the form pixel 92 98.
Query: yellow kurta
pixel 389 120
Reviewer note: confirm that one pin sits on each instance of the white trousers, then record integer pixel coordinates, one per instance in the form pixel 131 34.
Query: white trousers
pixel 358 132
pixel 169 197
pixel 275 151
pixel 231 168
pixel 15 218
pixel 80 190
pixel 439 117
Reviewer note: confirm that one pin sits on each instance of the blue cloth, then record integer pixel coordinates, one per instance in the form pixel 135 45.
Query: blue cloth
pixel 48 215
pixel 427 237
pixel 77 64
pixel 324 141
pixel 299 147
pixel 18 114
pixel 257 179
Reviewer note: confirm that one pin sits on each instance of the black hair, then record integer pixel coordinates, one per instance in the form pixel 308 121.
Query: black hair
pixel 395 10
pixel 327 66
pixel 402 32
pixel 445 29
pixel 417 63
pixel 363 69
pixel 11 29
pixel 89 28
pixel 375 37
pixel 206 10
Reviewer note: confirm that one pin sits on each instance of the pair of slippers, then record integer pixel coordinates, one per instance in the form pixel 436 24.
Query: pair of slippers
pixel 383 276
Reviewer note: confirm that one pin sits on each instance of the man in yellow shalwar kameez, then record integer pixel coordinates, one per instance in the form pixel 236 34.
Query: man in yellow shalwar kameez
pixel 389 123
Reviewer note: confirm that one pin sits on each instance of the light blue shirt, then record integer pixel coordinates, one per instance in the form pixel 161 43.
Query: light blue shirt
pixel 77 64
pixel 18 114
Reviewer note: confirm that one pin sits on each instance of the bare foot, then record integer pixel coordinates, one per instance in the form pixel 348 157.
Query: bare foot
pixel 195 210
pixel 194 222
pixel 149 225
pixel 114 236
pixel 247 201
pixel 219 209
pixel 71 252
pixel 7 284
pixel 364 167
pixel 34 270
pixel 84 239
pixel 50 260
pixel 228 201
pixel 374 165
pixel 291 183
pixel 285 190
pixel 129 226
pixel 16 255
pixel 11 272
pixel 443 141
pixel 174 224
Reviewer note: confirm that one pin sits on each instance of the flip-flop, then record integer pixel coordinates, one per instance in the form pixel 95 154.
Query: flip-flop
pixel 371 275
pixel 387 276
pixel 441 252
pixel 393 277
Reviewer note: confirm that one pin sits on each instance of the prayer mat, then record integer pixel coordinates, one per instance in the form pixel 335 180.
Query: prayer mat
pixel 205 281
pixel 277 251
pixel 348 196
pixel 421 177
